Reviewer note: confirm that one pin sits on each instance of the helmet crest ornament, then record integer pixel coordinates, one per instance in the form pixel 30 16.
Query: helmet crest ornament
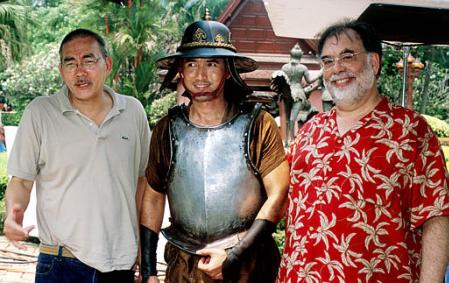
pixel 207 16
pixel 219 38
pixel 199 36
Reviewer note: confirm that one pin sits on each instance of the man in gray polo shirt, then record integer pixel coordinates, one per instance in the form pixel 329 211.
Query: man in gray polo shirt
pixel 86 148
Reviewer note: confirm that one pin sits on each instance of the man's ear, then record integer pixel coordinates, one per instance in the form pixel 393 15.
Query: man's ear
pixel 375 63
pixel 108 61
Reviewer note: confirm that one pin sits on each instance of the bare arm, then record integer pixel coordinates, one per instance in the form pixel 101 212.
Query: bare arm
pixel 142 185
pixel 152 213
pixel 17 198
pixel 435 250
pixel 276 186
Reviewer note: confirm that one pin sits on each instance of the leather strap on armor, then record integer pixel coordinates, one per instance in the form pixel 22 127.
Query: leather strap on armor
pixel 148 241
pixel 259 229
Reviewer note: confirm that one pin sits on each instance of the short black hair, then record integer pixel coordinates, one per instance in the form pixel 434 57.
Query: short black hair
pixel 368 36
pixel 81 33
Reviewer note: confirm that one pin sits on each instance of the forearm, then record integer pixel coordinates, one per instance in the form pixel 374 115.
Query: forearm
pixel 152 212
pixel 435 250
pixel 276 185
pixel 273 209
pixel 18 194
pixel 142 185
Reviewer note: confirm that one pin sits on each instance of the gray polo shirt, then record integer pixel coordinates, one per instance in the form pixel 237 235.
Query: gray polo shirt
pixel 85 175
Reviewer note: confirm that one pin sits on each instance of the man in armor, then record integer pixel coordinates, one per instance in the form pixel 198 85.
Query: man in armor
pixel 221 164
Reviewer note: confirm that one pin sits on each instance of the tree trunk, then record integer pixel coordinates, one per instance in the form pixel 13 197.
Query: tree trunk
pixel 106 23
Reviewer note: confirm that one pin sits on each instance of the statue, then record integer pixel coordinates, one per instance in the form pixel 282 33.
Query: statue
pixel 288 84
pixel 326 98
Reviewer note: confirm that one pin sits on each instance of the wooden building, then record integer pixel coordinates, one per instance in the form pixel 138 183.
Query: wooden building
pixel 253 36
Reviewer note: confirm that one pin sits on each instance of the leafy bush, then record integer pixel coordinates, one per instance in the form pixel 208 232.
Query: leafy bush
pixel 279 235
pixel 159 108
pixel 3 184
pixel 34 77
pixel 3 175
pixel 440 127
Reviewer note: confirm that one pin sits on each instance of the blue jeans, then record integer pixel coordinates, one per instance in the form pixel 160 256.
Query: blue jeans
pixel 446 277
pixel 59 269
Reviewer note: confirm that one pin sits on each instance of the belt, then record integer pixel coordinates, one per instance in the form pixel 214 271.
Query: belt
pixel 227 242
pixel 55 250
pixel 191 246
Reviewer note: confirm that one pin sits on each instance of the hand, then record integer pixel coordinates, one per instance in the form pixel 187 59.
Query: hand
pixel 13 229
pixel 211 262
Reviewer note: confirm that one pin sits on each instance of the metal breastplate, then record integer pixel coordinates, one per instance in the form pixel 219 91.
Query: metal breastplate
pixel 212 193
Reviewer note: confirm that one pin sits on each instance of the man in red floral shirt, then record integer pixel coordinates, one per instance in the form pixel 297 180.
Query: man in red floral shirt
pixel 369 198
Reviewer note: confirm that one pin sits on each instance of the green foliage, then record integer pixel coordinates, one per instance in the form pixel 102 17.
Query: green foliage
pixel 430 88
pixel 159 108
pixel 3 183
pixel 13 37
pixel 33 77
pixel 390 81
pixel 55 22
pixel 440 127
pixel 193 10
pixel 279 235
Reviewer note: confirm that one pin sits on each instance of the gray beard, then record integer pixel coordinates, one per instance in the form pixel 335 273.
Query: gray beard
pixel 357 90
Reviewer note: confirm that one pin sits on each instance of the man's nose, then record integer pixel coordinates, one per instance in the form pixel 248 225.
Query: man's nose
pixel 202 72
pixel 80 70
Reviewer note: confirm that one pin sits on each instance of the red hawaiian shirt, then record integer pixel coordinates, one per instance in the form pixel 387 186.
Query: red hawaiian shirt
pixel 357 202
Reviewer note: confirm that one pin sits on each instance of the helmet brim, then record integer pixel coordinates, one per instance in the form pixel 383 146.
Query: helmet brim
pixel 242 64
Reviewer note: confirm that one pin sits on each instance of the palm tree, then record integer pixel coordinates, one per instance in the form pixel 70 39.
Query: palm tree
pixel 138 32
pixel 13 21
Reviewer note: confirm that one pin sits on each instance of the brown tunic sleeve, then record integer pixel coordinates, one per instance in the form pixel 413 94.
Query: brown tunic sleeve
pixel 266 148
pixel 159 159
